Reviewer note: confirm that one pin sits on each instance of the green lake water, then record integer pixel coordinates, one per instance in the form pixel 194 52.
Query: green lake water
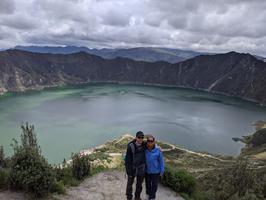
pixel 69 119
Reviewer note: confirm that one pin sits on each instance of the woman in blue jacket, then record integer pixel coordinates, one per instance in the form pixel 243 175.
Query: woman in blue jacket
pixel 154 167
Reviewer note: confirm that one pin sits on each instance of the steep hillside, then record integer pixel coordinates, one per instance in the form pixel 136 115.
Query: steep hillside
pixel 240 75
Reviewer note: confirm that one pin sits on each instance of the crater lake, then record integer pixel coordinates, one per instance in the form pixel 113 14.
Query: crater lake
pixel 71 118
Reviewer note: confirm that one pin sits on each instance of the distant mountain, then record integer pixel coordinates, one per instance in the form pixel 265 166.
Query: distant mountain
pixel 260 58
pixel 235 74
pixel 53 49
pixel 153 54
pixel 149 54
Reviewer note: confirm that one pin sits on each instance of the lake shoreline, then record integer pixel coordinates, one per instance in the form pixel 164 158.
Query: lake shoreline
pixel 3 91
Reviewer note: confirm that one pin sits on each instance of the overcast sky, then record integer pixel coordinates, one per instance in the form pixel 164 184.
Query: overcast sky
pixel 202 25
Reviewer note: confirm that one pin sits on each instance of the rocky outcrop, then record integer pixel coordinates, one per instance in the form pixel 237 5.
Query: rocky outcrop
pixel 255 144
pixel 240 75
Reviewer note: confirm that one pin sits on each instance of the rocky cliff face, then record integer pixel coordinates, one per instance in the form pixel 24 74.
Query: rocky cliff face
pixel 235 74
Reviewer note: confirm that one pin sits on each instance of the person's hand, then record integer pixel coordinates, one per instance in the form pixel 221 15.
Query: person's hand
pixel 161 174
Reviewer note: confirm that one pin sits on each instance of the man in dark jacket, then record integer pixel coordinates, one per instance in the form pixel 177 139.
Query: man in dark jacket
pixel 135 165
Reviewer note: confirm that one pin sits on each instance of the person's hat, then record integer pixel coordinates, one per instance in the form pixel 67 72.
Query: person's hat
pixel 139 134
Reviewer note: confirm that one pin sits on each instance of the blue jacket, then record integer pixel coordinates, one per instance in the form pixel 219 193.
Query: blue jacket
pixel 154 161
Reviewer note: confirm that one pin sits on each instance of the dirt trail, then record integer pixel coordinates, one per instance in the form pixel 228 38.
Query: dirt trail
pixel 11 195
pixel 110 186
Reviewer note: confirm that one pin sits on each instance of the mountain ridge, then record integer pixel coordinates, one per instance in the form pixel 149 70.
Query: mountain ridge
pixel 148 54
pixel 234 74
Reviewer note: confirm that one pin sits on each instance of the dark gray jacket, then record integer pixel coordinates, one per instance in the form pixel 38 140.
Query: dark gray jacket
pixel 135 159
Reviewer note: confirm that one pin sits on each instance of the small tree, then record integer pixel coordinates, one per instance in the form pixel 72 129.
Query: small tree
pixel 80 166
pixel 64 162
pixel 2 156
pixel 29 169
pixel 28 137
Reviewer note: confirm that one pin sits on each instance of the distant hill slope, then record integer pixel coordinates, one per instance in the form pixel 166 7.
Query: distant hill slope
pixel 240 75
pixel 148 54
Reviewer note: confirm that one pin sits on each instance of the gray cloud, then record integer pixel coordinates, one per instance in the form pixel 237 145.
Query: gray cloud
pixel 3 34
pixel 19 21
pixel 7 6
pixel 214 26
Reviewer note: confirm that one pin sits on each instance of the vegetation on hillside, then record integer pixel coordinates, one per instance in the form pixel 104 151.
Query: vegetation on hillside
pixel 202 176
pixel 255 143
pixel 29 171
pixel 195 175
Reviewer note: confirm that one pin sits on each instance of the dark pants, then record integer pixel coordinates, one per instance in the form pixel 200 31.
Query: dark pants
pixel 152 181
pixel 130 181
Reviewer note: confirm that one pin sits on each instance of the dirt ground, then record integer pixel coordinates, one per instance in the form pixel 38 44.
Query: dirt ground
pixel 10 195
pixel 110 186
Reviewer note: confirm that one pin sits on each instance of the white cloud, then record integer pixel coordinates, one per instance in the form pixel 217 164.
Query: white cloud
pixel 214 26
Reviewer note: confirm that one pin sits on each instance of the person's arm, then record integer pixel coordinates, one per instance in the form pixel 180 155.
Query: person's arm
pixel 161 163
pixel 128 161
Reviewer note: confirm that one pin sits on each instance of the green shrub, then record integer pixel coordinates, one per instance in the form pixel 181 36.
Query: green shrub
pixel 179 180
pixel 196 196
pixel 29 169
pixel 2 156
pixel 200 196
pixel 185 196
pixel 58 187
pixel 241 180
pixel 4 178
pixel 98 156
pixel 80 166
pixel 66 177
pixel 97 169
pixel 4 161
pixel 31 172
pixel 259 137
pixel 245 197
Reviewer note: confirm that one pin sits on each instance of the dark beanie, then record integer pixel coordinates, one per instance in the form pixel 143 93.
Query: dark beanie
pixel 139 134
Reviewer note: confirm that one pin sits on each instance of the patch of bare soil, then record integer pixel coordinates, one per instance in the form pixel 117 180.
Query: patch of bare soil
pixel 110 186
